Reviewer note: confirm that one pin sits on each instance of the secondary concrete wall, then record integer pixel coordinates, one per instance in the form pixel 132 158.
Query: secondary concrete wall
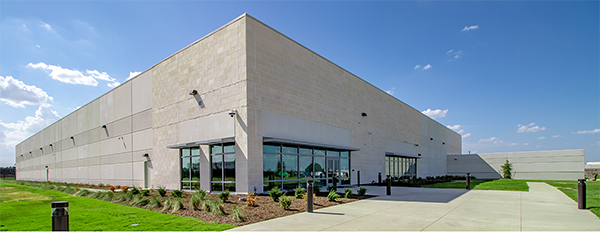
pixel 285 78
pixel 533 165
pixel 77 149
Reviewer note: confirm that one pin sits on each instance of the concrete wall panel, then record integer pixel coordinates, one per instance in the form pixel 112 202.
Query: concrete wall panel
pixel 122 101
pixel 206 128
pixel 142 92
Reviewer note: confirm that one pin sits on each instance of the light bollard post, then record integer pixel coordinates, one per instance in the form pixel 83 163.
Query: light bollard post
pixel 60 216
pixel 358 177
pixel 309 196
pixel 389 185
pixel 581 194
pixel 380 179
pixel 468 181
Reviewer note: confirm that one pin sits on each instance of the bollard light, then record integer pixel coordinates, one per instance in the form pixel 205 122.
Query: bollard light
pixel 468 181
pixel 358 177
pixel 581 194
pixel 60 216
pixel 309 196
pixel 380 179
pixel 389 185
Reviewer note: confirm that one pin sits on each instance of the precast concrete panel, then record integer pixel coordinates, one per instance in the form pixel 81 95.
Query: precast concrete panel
pixel 122 101
pixel 106 108
pixel 141 92
pixel 142 120
pixel 210 127
pixel 143 140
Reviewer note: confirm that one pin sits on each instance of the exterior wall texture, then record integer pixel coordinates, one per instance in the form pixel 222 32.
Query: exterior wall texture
pixel 532 165
pixel 279 89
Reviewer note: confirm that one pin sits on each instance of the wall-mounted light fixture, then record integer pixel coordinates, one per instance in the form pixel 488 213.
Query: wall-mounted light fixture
pixel 416 144
pixel 51 147
pixel 443 143
pixel 419 154
pixel 193 92
pixel 145 155
pixel 455 158
pixel 431 139
pixel 196 96
pixel 232 112
pixel 103 126
pixel 72 137
pixel 46 166
pixel 42 150
pixel 364 114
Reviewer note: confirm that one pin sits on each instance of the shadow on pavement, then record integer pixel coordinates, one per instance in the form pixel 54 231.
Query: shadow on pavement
pixel 418 194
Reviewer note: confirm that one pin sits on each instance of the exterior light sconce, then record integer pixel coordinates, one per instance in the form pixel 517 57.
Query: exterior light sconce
pixel 416 144
pixel 105 130
pixel 455 158
pixel 419 155
pixel 46 166
pixel 51 147
pixel 42 150
pixel 232 112
pixel 196 96
pixel 431 139
pixel 364 114
pixel 443 143
pixel 145 155
pixel 72 138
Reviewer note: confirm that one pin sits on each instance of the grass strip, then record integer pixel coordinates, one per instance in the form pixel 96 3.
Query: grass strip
pixel 28 208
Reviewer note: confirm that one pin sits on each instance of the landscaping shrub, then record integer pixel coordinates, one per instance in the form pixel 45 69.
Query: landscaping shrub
pixel 224 196
pixel 112 188
pixel 285 202
pixel 348 193
pixel 127 197
pixel 134 190
pixel 83 193
pixel 362 191
pixel 298 193
pixel 332 188
pixel 507 170
pixel 124 188
pixel 332 196
pixel 237 214
pixel 275 194
pixel 108 196
pixel 99 185
pixel 195 201
pixel 201 194
pixel 317 188
pixel 213 207
pixel 155 202
pixel 251 200
pixel 161 191
pixel 95 194
pixel 142 201
pixel 168 204
pixel 177 193
pixel 71 189
pixel 145 193
pixel 135 199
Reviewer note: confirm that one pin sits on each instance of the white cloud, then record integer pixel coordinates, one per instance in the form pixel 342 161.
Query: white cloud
pixel 556 136
pixel 491 140
pixel 466 136
pixel 583 132
pixel 541 137
pixel 530 128
pixel 428 66
pixel 72 76
pixel 439 113
pixel 495 140
pixel 133 74
pixel 454 54
pixel 457 128
pixel 47 26
pixel 390 91
pixel 470 28
pixel 17 94
pixel 525 144
pixel 114 84
pixel 19 131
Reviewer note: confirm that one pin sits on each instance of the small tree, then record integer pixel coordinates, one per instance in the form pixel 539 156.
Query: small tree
pixel 507 170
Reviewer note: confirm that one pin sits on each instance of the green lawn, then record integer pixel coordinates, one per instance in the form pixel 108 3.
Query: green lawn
pixel 569 188
pixel 28 208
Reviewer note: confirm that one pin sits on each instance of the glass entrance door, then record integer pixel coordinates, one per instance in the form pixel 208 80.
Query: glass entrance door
pixel 333 171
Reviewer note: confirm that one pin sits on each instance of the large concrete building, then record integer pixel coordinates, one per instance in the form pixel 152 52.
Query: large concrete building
pixel 296 116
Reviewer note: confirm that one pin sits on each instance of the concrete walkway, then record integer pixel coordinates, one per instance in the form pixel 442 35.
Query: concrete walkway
pixel 416 209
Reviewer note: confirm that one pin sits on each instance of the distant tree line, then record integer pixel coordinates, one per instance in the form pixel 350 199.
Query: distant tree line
pixel 8 170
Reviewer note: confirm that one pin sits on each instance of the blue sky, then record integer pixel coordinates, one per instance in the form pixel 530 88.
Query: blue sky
pixel 508 76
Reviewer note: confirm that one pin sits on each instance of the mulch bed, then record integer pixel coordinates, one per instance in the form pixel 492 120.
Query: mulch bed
pixel 266 209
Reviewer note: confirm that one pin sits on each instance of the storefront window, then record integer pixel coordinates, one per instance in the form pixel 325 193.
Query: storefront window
pixel 190 168
pixel 223 167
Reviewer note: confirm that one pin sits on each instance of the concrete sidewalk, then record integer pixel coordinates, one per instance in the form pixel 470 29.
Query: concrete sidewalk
pixel 416 209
